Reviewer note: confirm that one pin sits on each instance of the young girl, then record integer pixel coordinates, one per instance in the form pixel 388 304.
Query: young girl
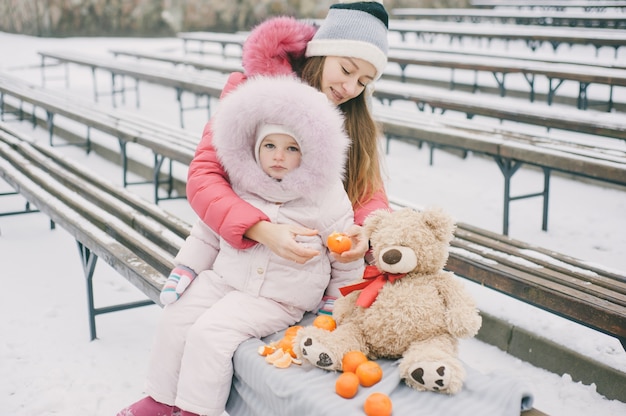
pixel 283 147
pixel 341 59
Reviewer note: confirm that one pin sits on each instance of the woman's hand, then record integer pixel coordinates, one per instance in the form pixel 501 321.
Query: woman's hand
pixel 360 245
pixel 281 239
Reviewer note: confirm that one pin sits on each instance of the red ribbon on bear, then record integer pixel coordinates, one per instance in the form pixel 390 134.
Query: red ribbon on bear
pixel 374 281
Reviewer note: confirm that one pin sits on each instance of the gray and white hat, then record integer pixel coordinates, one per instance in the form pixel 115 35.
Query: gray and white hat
pixel 354 29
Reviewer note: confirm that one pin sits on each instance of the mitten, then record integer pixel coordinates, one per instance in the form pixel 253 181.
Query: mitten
pixel 178 280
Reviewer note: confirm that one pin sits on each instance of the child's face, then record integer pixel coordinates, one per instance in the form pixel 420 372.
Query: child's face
pixel 345 78
pixel 279 154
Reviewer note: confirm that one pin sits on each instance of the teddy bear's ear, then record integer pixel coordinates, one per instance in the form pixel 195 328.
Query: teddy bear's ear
pixel 375 218
pixel 440 223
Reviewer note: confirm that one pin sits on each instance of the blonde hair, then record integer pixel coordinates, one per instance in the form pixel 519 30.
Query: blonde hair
pixel 363 168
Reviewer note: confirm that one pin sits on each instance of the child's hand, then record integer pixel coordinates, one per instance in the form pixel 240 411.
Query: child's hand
pixel 281 239
pixel 178 280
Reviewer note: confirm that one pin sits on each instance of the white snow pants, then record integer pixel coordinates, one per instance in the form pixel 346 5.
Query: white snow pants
pixel 191 359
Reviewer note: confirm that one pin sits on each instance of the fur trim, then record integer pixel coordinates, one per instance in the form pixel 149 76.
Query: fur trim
pixel 276 46
pixel 285 100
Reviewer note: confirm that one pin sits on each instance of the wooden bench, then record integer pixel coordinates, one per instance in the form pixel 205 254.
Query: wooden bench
pixel 552 4
pixel 517 55
pixel 525 17
pixel 500 67
pixel 596 123
pixel 223 39
pixel 510 150
pixel 166 142
pixel 202 64
pixel 533 36
pixel 581 121
pixel 136 238
pixel 199 84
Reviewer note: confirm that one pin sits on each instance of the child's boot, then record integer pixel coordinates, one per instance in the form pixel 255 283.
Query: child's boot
pixel 147 407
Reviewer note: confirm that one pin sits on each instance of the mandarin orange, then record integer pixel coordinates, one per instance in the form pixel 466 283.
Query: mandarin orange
pixel 338 242
pixel 351 360
pixel 325 322
pixel 369 373
pixel 378 404
pixel 347 385
pixel 292 331
pixel 287 345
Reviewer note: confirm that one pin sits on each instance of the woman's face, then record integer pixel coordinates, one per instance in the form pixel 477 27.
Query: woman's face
pixel 345 78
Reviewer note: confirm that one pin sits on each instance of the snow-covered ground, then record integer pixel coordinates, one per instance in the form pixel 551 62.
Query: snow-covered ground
pixel 49 367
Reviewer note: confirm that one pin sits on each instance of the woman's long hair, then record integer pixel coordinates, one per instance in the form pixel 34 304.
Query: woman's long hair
pixel 363 170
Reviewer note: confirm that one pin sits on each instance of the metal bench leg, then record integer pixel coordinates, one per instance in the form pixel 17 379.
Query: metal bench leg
pixel 124 163
pixel 88 140
pixel 170 179
pixel 95 84
pixel 114 89
pixel 552 89
pixel 508 169
pixel 179 93
pixel 158 162
pixel 50 124
pixel 137 92
pixel 43 71
pixel 453 83
pixel 500 82
pixel 530 78
pixel 546 195
pixel 27 209
pixel 88 261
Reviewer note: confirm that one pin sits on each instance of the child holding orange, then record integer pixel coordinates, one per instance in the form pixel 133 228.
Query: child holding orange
pixel 283 145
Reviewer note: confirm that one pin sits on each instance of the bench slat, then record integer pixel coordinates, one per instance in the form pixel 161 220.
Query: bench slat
pixel 562 301
pixel 112 224
pixel 123 260
pixel 578 280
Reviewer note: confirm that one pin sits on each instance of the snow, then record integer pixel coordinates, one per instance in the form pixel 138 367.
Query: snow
pixel 49 366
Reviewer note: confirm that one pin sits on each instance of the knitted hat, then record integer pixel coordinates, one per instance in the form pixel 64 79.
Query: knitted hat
pixel 265 130
pixel 356 30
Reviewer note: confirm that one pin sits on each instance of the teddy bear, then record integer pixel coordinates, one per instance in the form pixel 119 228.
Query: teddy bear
pixel 406 307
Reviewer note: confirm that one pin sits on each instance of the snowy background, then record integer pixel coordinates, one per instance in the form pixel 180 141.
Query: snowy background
pixel 48 366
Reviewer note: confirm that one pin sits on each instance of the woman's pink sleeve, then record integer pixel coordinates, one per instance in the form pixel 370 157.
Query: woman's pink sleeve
pixel 210 194
pixel 378 201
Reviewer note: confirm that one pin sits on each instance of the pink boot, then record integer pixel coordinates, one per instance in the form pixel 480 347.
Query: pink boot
pixel 147 407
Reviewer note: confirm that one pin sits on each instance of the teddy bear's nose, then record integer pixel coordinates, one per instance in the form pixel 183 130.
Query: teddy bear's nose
pixel 392 256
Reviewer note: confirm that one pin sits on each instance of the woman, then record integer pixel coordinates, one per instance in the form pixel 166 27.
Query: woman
pixel 341 59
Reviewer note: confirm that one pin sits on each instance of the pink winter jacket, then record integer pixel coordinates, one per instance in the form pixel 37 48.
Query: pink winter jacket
pixel 272 48
pixel 311 195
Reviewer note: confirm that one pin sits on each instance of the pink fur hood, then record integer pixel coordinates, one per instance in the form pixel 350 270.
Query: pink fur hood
pixel 276 46
pixel 285 100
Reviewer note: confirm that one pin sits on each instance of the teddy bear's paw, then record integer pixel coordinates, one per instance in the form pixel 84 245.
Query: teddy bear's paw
pixel 431 376
pixel 317 355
